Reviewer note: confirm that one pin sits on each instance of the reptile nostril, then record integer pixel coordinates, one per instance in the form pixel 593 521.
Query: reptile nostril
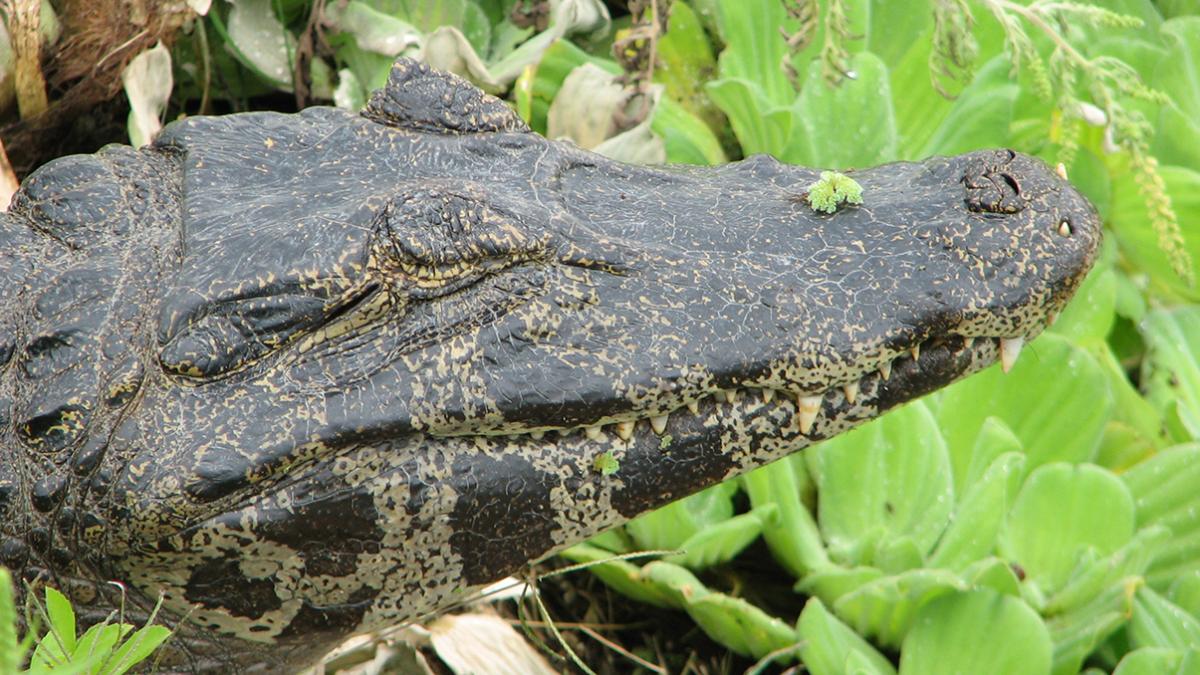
pixel 1012 183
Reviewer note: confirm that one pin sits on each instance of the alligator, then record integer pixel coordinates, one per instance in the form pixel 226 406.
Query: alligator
pixel 306 375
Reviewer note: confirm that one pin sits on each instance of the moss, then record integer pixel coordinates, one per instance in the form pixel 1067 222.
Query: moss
pixel 833 190
pixel 606 464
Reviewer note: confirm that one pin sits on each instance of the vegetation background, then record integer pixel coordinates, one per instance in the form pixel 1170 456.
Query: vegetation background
pixel 1043 521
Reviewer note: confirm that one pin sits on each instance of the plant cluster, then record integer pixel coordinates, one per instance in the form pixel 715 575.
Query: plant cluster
pixel 111 647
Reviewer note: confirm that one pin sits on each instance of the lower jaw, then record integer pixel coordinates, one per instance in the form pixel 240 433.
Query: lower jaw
pixel 803 418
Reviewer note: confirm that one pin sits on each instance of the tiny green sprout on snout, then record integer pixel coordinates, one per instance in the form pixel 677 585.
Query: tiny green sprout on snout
pixel 833 190
pixel 606 464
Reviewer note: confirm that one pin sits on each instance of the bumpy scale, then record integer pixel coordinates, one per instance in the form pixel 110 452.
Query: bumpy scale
pixel 306 375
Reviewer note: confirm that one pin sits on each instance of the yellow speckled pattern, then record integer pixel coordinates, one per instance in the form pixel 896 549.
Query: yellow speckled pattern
pixel 308 375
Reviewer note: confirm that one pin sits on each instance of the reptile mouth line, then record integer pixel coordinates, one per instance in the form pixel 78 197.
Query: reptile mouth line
pixel 806 408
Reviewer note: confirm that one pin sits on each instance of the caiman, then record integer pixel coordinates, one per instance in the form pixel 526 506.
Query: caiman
pixel 307 375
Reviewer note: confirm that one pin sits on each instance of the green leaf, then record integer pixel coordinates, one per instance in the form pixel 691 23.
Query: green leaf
pixel 884 609
pixel 979 514
pixel 622 576
pixel 1126 565
pixel 758 126
pixel 669 527
pixel 1077 633
pixel 1054 381
pixel 62 619
pixel 754 49
pixel 1185 592
pixel 100 640
pixel 12 652
pixel 733 622
pixel 1157 622
pixel 1061 512
pixel 1178 74
pixel 826 644
pixel 721 542
pixel 1132 410
pixel 740 626
pixel 831 583
pixel 428 16
pixel 979 632
pixel 994 439
pixel 896 27
pixel 980 116
pixel 1090 176
pixel 1159 661
pixel 1171 369
pixel 688 139
pixel 137 648
pixel 687 62
pixel 887 479
pixel 1091 313
pixel 1177 140
pixel 261 42
pixel 793 538
pixel 1166 492
pixel 1166 489
pixel 849 125
pixel 919 110
pixel 373 30
pixel 993 573
pixel 147 81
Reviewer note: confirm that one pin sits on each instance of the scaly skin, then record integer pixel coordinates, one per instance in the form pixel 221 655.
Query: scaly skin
pixel 307 375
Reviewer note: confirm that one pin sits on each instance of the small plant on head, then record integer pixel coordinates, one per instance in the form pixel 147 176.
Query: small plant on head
pixel 833 190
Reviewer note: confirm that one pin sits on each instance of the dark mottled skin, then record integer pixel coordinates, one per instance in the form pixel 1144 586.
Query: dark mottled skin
pixel 311 374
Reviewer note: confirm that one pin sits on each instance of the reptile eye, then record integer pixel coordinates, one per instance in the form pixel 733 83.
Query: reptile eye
pixel 436 241
pixel 1064 228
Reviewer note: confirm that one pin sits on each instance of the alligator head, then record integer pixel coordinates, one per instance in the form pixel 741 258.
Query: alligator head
pixel 305 375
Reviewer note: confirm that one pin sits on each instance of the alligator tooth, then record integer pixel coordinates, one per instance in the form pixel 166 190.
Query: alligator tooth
pixel 1061 170
pixel 659 424
pixel 885 369
pixel 594 432
pixel 916 352
pixel 694 407
pixel 1064 229
pixel 768 395
pixel 1010 349
pixel 538 435
pixel 1051 318
pixel 730 395
pixel 968 342
pixel 808 406
pixel 851 392
pixel 625 430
